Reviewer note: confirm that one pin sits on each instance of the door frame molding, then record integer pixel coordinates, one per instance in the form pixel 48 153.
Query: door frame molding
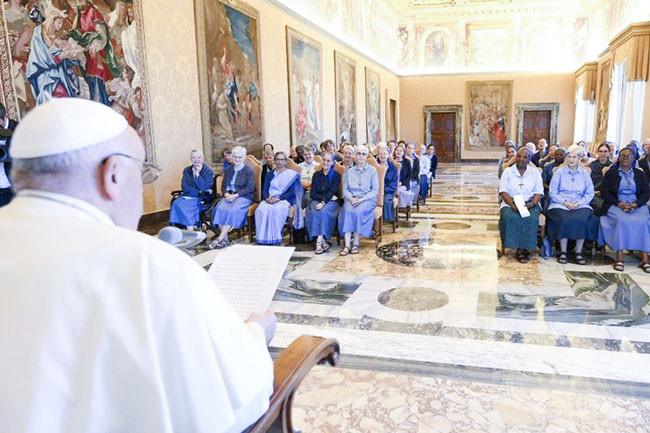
pixel 458 111
pixel 553 107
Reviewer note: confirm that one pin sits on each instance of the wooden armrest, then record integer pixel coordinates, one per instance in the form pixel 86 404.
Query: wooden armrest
pixel 290 368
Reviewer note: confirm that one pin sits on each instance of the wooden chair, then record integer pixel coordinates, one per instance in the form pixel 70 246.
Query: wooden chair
pixel 318 159
pixel 379 209
pixel 289 369
pixel 254 160
pixel 250 215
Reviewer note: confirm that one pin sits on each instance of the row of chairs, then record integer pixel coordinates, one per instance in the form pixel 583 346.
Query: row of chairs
pixel 208 203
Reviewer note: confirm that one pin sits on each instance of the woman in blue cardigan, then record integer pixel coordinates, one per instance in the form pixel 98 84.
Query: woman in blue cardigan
pixel 323 208
pixel 237 189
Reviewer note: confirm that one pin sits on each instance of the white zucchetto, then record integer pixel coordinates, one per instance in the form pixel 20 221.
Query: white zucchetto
pixel 65 124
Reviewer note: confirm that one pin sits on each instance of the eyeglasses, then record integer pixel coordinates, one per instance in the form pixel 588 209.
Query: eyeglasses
pixel 626 156
pixel 280 159
pixel 362 153
pixel 150 171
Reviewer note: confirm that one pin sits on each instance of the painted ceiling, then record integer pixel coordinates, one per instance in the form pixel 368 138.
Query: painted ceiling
pixel 457 36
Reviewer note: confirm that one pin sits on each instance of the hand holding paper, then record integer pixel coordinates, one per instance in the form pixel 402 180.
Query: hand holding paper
pixel 521 205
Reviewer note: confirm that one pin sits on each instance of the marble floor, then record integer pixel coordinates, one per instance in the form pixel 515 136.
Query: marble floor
pixel 439 333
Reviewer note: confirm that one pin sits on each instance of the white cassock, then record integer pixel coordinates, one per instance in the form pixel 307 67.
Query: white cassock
pixel 104 329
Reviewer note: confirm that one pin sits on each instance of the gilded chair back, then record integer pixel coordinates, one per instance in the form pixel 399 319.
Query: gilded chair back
pixel 257 175
pixel 341 171
pixel 318 159
pixel 254 160
pixel 291 164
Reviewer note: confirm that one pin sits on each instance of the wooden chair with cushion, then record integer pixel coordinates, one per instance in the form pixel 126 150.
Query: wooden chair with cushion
pixel 254 160
pixel 379 209
pixel 318 159
pixel 290 368
pixel 250 215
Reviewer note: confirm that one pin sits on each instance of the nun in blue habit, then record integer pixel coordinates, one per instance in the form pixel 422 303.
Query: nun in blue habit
pixel 360 190
pixel 282 189
pixel 391 181
pixel 323 208
pixel 197 181
pixel 237 189
pixel 625 224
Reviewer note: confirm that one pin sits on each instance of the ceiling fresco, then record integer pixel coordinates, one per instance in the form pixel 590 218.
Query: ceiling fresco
pixel 452 36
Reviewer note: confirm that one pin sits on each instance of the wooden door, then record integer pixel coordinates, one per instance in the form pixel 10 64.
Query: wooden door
pixel 537 125
pixel 443 136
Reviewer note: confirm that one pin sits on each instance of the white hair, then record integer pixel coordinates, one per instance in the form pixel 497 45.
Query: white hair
pixel 362 147
pixel 196 151
pixel 239 151
pixel 577 150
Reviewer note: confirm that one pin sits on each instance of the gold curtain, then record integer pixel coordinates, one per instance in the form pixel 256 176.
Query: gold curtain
pixel 587 77
pixel 637 52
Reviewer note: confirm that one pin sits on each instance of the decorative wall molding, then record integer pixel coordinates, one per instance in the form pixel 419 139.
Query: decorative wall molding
pixel 554 107
pixel 458 111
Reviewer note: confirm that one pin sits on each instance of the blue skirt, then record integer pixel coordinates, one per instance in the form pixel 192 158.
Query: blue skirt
pixel 269 222
pixel 321 222
pixel 518 232
pixel 626 231
pixel 405 197
pixel 231 213
pixel 389 212
pixel 424 185
pixel 185 211
pixel 358 219
pixel 572 224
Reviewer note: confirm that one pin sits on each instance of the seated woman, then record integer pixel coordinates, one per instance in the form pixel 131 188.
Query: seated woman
pixel 391 182
pixel 237 189
pixel 625 224
pixel 360 189
pixel 597 167
pixel 569 213
pixel 323 208
pixel 522 180
pixel 267 165
pixel 281 190
pixel 197 181
pixel 406 197
pixel 505 162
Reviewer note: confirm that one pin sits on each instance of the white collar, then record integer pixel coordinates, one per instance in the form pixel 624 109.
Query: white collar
pixel 82 207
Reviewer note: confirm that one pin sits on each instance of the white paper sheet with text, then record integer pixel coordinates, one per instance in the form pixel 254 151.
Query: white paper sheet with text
pixel 521 205
pixel 248 275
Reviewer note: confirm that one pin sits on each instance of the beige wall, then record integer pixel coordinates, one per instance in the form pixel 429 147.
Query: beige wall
pixel 173 82
pixel 416 92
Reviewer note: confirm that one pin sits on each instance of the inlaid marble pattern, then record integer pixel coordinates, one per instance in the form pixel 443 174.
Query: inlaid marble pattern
pixel 332 400
pixel 601 298
pixel 436 294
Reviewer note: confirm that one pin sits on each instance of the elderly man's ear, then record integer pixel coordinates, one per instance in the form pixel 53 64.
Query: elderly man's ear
pixel 111 178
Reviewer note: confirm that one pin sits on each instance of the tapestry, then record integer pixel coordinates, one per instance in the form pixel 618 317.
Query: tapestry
pixel 229 76
pixel 346 107
pixel 305 88
pixel 89 49
pixel 489 105
pixel 373 107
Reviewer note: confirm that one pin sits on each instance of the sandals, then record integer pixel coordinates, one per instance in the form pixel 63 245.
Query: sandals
pixel 645 267
pixel 355 249
pixel 326 246
pixel 216 244
pixel 618 266
pixel 319 248
pixel 561 259
pixel 345 251
pixel 580 259
pixel 524 257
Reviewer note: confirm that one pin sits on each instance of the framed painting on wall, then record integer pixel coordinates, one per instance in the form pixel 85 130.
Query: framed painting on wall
pixel 48 52
pixel 346 107
pixel 305 88
pixel 229 77
pixel 489 104
pixel 373 107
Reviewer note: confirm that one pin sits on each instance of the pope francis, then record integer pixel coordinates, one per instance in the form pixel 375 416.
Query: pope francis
pixel 102 328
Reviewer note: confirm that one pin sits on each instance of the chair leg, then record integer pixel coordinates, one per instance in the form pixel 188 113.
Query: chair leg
pixel 250 229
